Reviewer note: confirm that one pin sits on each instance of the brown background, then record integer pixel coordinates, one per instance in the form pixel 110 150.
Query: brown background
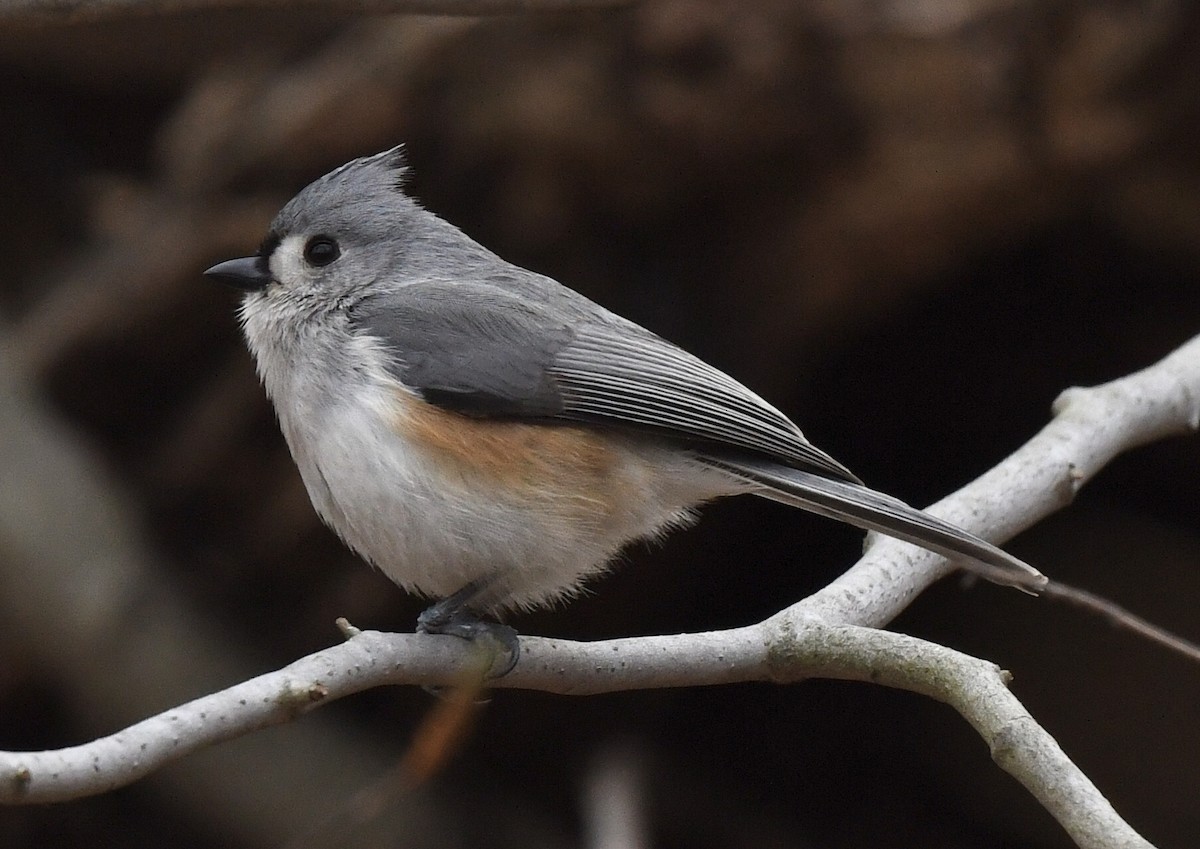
pixel 910 225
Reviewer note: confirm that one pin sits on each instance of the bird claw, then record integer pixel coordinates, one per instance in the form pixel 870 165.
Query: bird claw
pixel 455 621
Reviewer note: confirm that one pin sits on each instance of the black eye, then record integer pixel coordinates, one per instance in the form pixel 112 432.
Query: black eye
pixel 321 250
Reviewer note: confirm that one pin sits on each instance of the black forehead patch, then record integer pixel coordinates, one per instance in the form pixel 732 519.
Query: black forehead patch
pixel 269 244
pixel 262 259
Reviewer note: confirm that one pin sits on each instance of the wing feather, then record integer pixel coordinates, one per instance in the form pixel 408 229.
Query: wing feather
pixel 628 375
pixel 484 350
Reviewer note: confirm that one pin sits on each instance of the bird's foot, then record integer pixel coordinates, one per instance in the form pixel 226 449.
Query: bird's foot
pixel 448 616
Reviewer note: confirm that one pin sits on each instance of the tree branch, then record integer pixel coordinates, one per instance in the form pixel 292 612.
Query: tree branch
pixel 1091 426
pixel 764 652
pixel 821 636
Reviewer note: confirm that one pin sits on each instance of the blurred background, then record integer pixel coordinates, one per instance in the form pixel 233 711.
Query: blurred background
pixel 909 224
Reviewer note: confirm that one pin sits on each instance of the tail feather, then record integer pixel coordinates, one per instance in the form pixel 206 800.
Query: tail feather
pixel 865 508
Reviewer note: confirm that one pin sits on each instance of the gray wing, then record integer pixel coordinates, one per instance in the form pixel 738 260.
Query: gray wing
pixel 472 349
pixel 485 351
pixel 624 374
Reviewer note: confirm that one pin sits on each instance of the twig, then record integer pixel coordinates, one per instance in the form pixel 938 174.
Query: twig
pixel 1121 618
pixel 769 651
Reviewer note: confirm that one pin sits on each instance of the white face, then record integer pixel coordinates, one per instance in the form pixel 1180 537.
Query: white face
pixel 287 262
pixel 305 263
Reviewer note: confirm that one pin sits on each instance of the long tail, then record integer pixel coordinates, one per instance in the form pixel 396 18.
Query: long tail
pixel 865 508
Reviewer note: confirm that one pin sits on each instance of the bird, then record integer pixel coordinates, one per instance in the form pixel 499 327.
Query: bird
pixel 491 439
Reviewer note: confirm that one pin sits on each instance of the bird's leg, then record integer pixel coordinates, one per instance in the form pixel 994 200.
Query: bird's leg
pixel 453 616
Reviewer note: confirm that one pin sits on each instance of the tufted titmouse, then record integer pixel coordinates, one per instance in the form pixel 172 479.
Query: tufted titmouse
pixel 490 438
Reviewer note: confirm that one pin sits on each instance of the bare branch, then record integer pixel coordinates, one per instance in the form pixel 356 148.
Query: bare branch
pixel 978 690
pixel 1091 426
pixel 1122 618
pixel 975 688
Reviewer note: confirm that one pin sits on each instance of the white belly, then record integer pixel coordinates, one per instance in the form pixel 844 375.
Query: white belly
pixel 434 522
